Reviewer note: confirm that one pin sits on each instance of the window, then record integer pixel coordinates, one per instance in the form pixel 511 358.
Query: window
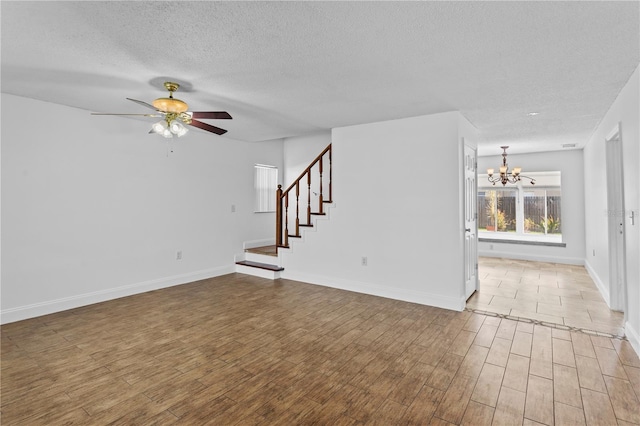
pixel 542 211
pixel 498 210
pixel 265 185
pixel 521 211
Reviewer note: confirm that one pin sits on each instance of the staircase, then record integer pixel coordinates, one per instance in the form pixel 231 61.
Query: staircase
pixel 312 190
pixel 261 262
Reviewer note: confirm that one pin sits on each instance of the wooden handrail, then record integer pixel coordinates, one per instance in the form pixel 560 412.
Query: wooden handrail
pixel 282 200
pixel 313 163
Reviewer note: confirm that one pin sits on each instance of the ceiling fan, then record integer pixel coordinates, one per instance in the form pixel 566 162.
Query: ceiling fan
pixel 175 115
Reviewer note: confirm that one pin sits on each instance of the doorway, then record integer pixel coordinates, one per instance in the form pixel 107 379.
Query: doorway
pixel 616 222
pixel 470 222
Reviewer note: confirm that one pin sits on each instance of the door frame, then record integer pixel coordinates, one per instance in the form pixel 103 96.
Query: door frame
pixel 616 220
pixel 470 219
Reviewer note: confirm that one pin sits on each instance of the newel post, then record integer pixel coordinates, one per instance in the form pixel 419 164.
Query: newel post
pixel 279 216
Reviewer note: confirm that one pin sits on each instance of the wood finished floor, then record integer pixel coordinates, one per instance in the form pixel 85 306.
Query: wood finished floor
pixel 549 292
pixel 245 350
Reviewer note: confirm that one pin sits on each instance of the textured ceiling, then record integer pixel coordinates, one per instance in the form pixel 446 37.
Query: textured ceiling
pixel 290 68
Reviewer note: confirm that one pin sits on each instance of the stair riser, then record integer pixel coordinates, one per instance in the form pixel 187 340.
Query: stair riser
pixel 258 272
pixel 262 258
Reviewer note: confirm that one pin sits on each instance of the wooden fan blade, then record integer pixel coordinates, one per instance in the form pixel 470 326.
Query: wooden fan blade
pixel 139 115
pixel 207 127
pixel 144 104
pixel 217 115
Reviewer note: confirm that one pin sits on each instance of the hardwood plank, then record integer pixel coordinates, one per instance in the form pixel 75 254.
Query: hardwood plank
pixel 597 408
pixel 516 375
pixel 507 329
pixel 582 345
pixel 589 374
pixel 609 362
pixel 410 385
pixel 499 352
pixel 563 352
pixel 566 388
pixel 444 372
pixel 485 335
pixel 539 400
pixel 568 415
pixel 625 403
pixel 488 385
pixel 423 406
pixel 522 343
pixel 472 364
pixel 626 353
pixel 478 415
pixel 541 352
pixel 634 377
pixel 462 343
pixel 455 400
pixel 510 408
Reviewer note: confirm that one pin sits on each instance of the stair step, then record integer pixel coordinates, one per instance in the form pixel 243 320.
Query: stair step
pixel 260 265
pixel 264 250
pixel 327 201
pixel 318 214
pixel 295 236
pixel 306 225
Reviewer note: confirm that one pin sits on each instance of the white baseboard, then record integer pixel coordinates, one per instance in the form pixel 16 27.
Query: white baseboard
pixel 633 336
pixel 52 306
pixel 532 257
pixel 421 298
pixel 604 291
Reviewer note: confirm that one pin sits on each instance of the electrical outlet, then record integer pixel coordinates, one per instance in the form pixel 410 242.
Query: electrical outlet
pixel 364 261
pixel 233 208
pixel 490 246
pixel 179 255
pixel 594 252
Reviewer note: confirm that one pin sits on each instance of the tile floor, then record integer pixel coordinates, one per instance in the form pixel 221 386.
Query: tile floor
pixel 547 292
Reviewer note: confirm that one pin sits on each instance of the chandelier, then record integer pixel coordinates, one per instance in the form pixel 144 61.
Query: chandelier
pixel 506 177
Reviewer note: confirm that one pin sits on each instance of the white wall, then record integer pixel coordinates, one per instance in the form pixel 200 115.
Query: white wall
pixel 386 208
pixel 625 110
pixel 299 152
pixel 95 208
pixel 571 167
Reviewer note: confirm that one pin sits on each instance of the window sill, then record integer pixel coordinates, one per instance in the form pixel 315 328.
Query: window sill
pixel 538 240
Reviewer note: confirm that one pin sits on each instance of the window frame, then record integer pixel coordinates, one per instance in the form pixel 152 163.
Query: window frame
pixel 265 184
pixel 549 181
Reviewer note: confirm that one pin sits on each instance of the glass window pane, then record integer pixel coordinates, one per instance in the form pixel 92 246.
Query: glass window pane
pixel 265 185
pixel 553 211
pixel 505 217
pixel 485 209
pixel 534 214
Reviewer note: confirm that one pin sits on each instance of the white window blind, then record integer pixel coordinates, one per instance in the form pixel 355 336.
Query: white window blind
pixel 265 183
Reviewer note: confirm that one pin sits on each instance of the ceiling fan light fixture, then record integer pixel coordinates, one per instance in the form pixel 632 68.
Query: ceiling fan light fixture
pixel 170 105
pixel 159 127
pixel 177 128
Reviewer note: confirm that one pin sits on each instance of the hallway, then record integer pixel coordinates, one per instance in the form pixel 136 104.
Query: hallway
pixel 548 292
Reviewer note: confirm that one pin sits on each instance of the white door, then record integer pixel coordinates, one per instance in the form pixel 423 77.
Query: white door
pixel 615 207
pixel 470 222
